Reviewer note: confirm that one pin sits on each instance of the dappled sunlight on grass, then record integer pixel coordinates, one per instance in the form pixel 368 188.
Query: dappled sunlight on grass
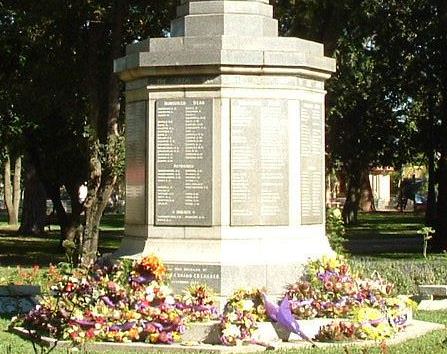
pixel 383 225
pixel 16 249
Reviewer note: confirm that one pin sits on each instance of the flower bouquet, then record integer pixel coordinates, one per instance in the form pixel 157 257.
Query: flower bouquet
pixel 120 303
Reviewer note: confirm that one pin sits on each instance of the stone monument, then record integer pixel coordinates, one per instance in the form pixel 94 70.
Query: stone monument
pixel 225 147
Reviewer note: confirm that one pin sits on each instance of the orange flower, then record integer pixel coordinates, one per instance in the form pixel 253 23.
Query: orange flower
pixel 154 265
pixel 134 334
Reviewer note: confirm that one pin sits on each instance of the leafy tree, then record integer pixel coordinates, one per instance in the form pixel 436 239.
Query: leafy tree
pixel 413 46
pixel 10 143
pixel 364 122
pixel 74 100
pixel 364 125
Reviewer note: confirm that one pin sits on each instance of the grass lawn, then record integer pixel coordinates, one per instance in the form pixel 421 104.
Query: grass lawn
pixel 398 267
pixel 44 249
pixel 382 225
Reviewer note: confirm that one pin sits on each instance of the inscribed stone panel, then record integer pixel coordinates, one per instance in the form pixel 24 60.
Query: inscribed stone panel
pixel 312 163
pixel 136 162
pixel 183 162
pixel 259 162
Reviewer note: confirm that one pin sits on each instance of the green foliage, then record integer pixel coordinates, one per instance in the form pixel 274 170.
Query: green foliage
pixel 335 230
pixel 21 276
pixel 70 249
pixel 406 274
pixel 60 97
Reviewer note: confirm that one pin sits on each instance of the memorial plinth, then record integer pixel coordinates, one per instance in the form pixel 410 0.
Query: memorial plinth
pixel 225 147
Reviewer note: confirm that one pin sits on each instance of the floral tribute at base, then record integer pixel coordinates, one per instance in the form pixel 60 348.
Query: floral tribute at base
pixel 365 308
pixel 361 308
pixel 130 301
pixel 243 311
pixel 121 303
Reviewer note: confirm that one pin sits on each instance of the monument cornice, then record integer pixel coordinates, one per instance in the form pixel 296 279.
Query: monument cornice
pixel 224 55
pixel 140 72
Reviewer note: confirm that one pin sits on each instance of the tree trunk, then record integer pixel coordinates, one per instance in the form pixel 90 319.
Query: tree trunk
pixel 430 212
pixel 34 212
pixel 70 224
pixel 328 191
pixel 103 174
pixel 90 239
pixel 99 191
pixel 12 190
pixel 353 194
pixel 366 194
pixel 439 241
pixel 17 185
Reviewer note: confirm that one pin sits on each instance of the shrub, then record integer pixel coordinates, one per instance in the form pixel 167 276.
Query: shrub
pixel 335 230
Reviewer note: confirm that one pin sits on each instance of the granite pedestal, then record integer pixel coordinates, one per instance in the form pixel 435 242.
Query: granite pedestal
pixel 225 148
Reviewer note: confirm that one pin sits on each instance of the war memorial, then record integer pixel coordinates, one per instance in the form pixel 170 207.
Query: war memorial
pixel 225 147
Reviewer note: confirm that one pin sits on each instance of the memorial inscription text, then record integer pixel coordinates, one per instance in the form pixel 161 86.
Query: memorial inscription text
pixel 184 274
pixel 183 162
pixel 136 162
pixel 259 162
pixel 312 164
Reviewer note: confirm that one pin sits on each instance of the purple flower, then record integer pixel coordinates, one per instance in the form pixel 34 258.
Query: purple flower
pixel 85 323
pixel 107 301
pixel 128 326
pixel 143 278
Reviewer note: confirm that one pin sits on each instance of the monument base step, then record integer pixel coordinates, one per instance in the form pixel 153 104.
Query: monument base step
pixel 429 292
pixel 267 332
pixel 413 330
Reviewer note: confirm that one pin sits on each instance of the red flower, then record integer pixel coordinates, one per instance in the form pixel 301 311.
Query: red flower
pixel 328 285
pixel 163 338
pixel 150 328
pixel 69 287
pixel 90 333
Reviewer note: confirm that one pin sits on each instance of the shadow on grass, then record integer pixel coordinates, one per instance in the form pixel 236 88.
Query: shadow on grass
pixel 112 222
pixel 42 250
pixel 8 317
pixel 385 225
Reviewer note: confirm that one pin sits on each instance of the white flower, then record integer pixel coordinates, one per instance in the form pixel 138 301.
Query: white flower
pixel 170 300
pixel 232 317
pixel 247 305
pixel 150 294
pixel 164 291
pixel 232 331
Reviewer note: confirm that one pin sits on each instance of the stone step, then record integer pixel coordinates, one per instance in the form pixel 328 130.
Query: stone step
pixel 430 291
pixel 209 332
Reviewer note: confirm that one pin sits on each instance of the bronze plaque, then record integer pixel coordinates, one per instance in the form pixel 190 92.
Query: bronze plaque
pixel 183 162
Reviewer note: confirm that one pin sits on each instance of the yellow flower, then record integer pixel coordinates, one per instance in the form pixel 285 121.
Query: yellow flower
pixel 134 334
